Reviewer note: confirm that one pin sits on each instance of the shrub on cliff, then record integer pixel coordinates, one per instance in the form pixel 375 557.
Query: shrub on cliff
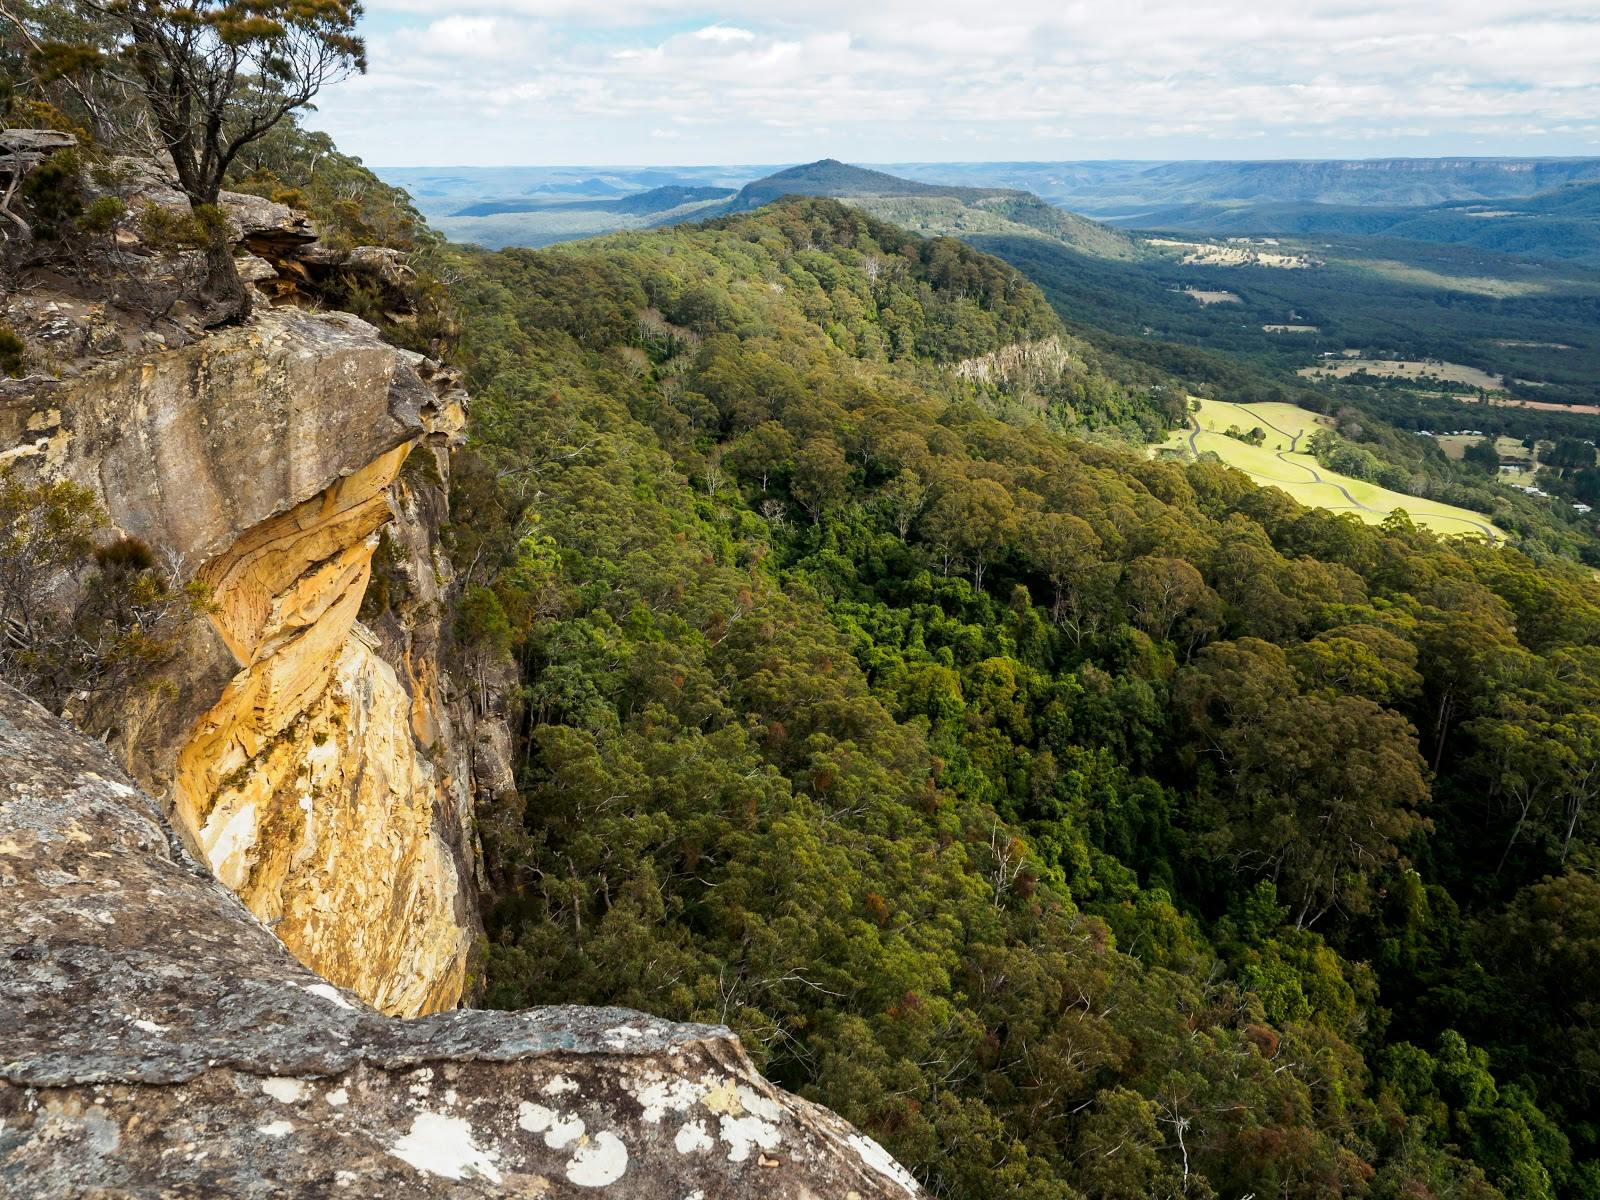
pixel 80 621
pixel 13 352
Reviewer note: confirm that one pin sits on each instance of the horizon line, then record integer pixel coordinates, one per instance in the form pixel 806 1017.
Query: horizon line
pixel 911 162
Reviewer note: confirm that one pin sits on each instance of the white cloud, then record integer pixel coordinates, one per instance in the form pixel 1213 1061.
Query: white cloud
pixel 570 81
pixel 724 33
pixel 469 37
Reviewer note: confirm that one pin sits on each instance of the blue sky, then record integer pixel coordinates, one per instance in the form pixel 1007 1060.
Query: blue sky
pixel 513 82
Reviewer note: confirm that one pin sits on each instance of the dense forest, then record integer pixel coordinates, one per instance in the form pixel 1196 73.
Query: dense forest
pixel 1076 824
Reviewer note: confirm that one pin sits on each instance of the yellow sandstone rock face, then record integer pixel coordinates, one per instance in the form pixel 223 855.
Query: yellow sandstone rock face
pixel 325 770
pixel 304 787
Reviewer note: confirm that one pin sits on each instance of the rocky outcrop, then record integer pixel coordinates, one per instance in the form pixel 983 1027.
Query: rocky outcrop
pixel 323 769
pixel 160 1042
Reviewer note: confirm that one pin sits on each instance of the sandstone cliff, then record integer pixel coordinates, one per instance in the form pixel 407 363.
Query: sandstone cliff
pixel 159 1042
pixel 321 768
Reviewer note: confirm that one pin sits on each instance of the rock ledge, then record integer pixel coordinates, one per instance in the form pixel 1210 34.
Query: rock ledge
pixel 161 1042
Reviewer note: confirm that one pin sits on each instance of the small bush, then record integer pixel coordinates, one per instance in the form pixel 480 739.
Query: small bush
pixel 101 217
pixel 166 231
pixel 54 193
pixel 126 554
pixel 122 624
pixel 13 352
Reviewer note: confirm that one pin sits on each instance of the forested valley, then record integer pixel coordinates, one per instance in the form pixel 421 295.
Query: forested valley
pixel 1075 823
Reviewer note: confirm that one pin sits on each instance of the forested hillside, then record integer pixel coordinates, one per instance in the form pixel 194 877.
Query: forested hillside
pixel 1077 824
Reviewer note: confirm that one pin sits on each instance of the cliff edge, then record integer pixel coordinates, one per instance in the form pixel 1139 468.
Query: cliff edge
pixel 322 767
pixel 161 1042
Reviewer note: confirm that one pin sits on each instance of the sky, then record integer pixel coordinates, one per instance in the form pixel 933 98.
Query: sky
pixel 565 82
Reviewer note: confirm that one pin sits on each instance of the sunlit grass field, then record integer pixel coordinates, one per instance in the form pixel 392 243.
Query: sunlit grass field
pixel 1276 463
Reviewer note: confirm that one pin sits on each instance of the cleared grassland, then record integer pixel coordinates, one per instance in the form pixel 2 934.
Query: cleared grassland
pixel 1212 254
pixel 1455 446
pixel 1544 405
pixel 1284 423
pixel 1482 285
pixel 1420 372
pixel 1508 448
pixel 1277 464
pixel 1211 297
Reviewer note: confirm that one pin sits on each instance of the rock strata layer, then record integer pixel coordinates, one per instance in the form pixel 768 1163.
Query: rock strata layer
pixel 160 1042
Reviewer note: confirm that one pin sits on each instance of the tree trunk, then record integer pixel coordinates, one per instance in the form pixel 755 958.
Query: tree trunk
pixel 1526 806
pixel 1443 724
pixel 226 299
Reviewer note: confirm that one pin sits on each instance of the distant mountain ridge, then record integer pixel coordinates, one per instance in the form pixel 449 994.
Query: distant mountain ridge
pixel 841 181
pixel 653 200
pixel 532 206
pixel 1559 226
pixel 937 209
pixel 1536 208
pixel 1125 189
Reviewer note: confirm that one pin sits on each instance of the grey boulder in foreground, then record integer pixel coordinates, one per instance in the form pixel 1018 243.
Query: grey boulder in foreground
pixel 157 1040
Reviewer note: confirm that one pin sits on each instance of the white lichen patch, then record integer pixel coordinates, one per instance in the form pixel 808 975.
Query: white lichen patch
pixel 620 1036
pixel 559 1085
pixel 442 1145
pixel 880 1160
pixel 764 1107
pixel 744 1134
pixel 276 1129
pixel 559 1129
pixel 149 1026
pixel 599 1162
pixel 283 1090
pixel 672 1095
pixel 693 1138
pixel 338 1097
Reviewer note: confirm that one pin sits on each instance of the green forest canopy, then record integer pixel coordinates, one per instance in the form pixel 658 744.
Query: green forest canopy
pixel 1076 824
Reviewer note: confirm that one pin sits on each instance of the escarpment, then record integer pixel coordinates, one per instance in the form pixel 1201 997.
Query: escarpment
pixel 159 1042
pixel 322 768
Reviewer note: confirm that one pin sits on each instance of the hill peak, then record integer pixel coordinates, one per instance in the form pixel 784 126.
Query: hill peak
pixel 830 177
pixel 934 209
